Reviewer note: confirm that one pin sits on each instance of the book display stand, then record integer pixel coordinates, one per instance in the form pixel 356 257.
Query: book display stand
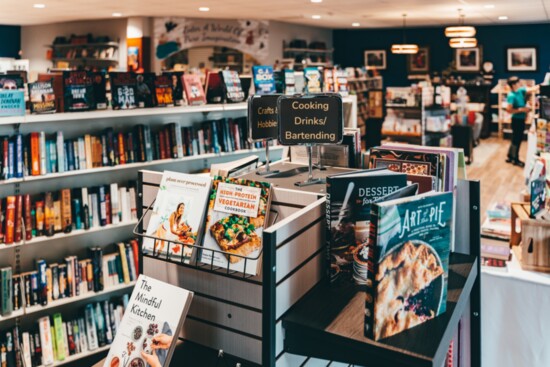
pixel 288 315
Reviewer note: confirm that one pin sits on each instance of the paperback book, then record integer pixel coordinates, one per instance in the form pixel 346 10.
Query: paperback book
pixel 78 91
pixel 193 89
pixel 263 79
pixel 176 84
pixel 238 211
pixel 232 86
pixel 408 252
pixel 178 215
pixel 145 90
pixel 214 88
pixel 42 97
pixel 163 91
pixel 123 90
pixel 149 329
pixel 99 81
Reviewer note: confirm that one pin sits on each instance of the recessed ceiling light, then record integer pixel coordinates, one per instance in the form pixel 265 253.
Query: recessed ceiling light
pixel 316 1
pixel 489 6
pixel 316 17
pixel 503 17
pixel 204 8
pixel 355 24
pixel 39 6
pixel 117 14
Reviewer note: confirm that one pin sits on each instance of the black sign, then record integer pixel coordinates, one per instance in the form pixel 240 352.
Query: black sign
pixel 314 119
pixel 262 117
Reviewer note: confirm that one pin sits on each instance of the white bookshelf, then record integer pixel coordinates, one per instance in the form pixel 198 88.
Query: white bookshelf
pixel 76 357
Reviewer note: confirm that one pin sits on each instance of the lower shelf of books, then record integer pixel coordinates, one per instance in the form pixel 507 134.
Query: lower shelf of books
pixel 76 357
pixel 328 324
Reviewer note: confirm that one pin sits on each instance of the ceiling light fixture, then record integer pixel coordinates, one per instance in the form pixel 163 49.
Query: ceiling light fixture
pixel 316 17
pixel 489 6
pixel 461 30
pixel 462 42
pixel 404 48
pixel 355 24
pixel 316 1
pixel 204 8
pixel 39 6
pixel 503 17
pixel 117 14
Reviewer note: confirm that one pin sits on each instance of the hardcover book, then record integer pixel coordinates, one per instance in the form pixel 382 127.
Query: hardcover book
pixel 42 97
pixel 99 81
pixel 150 326
pixel 193 89
pixel 214 88
pixel 232 86
pixel 78 91
pixel 145 90
pixel 408 252
pixel 178 215
pixel 176 85
pixel 348 204
pixel 123 90
pixel 238 211
pixel 263 79
pixel 163 91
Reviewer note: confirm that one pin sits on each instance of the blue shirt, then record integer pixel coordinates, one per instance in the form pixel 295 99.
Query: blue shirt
pixel 517 100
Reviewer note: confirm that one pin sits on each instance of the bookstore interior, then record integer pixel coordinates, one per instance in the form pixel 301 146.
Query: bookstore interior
pixel 320 183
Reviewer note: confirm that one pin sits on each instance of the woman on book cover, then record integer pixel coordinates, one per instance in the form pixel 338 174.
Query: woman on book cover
pixel 161 345
pixel 177 230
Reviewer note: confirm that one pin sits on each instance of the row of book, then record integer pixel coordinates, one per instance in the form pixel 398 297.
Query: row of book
pixel 55 338
pixel 29 216
pixel 39 154
pixel 72 277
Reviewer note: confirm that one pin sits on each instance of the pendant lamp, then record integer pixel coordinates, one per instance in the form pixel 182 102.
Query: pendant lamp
pixel 461 30
pixel 404 48
pixel 462 42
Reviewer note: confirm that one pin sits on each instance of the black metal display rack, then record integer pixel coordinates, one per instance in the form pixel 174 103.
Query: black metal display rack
pixel 285 316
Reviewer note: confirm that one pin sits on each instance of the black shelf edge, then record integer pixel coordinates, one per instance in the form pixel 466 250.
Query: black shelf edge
pixel 308 329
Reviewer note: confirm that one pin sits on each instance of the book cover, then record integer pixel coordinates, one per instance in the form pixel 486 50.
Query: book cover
pixel 410 162
pixel 348 204
pixel 10 219
pixel 408 250
pixel 238 210
pixel 193 89
pixel 18 226
pixel 214 88
pixel 176 84
pixel 77 91
pixel 178 215
pixel 46 340
pixel 163 91
pixel 232 86
pixel 145 90
pixel 6 291
pixel 263 79
pixel 289 82
pixel 328 81
pixel 99 83
pixel 123 90
pixel 150 326
pixel 42 97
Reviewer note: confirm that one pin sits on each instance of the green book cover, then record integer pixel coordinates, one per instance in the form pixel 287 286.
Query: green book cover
pixel 6 293
pixel 59 339
pixel 54 346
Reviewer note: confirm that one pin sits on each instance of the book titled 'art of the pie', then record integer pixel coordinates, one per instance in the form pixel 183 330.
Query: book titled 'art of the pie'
pixel 408 250
pixel 150 326
pixel 237 214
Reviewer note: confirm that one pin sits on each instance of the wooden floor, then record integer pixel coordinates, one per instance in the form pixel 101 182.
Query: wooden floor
pixel 500 181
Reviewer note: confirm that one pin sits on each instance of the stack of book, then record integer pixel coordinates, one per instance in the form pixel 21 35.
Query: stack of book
pixel 498 223
pixel 55 338
pixel 69 278
pixel 25 217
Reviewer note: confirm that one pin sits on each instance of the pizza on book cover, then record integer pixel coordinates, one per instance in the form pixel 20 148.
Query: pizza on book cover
pixel 151 324
pixel 348 202
pixel 176 84
pixel 313 80
pixel 238 211
pixel 193 89
pixel 42 97
pixel 232 86
pixel 99 81
pixel 123 90
pixel 410 162
pixel 178 215
pixel 145 90
pixel 264 83
pixel 163 91
pixel 408 252
pixel 78 91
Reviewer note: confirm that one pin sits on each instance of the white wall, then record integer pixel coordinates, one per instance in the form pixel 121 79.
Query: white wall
pixel 35 38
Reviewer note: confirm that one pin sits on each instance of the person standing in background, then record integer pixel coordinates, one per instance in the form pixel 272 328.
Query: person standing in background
pixel 517 107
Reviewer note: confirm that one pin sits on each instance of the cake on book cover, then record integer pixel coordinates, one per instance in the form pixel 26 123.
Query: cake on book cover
pixel 150 326
pixel 348 202
pixel 237 214
pixel 178 215
pixel 408 253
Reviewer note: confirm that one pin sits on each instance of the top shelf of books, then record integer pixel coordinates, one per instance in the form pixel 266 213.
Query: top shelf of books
pixel 85 45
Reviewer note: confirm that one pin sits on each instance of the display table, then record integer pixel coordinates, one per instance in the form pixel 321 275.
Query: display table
pixel 516 322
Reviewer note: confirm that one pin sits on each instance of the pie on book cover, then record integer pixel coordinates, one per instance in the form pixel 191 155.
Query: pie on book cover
pixel 237 214
pixel 409 254
pixel 150 326
pixel 178 215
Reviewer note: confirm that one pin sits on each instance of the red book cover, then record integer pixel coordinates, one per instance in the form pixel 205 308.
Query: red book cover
pixel 18 218
pixel 135 251
pixel 28 220
pixel 10 219
pixel 162 144
pixel 35 154
pixel 121 149
pixel 108 207
pixel 1 222
pixel 193 89
pixel 5 144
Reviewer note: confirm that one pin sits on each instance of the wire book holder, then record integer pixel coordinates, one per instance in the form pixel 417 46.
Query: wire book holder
pixel 198 251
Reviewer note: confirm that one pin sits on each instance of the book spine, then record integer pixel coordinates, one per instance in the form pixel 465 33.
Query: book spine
pixel 93 198
pixel 130 261
pixel 57 224
pixel 59 339
pixel 81 153
pixel 11 159
pixel 121 148
pixel 69 148
pixel 110 147
pixel 18 226
pixel 52 157
pixel 46 342
pixel 17 300
pixel 100 324
pixel 115 204
pixel 77 213
pixel 62 268
pixel 66 211
pixel 6 283
pixel 5 158
pixel 124 263
pixel 104 150
pixel 88 149
pixel 108 329
pixel 49 285
pixel 28 217
pixel 135 252
pixel 148 144
pixel 140 143
pixel 328 228
pixel 19 156
pixel 102 206
pixel 35 154
pixel 167 143
pixel 26 349
pixel 60 144
pixel 55 281
pixel 42 282
pixel 371 284
pixel 130 148
pixel 133 203
pixel 39 217
pixel 42 145
pixel 10 219
pixel 49 215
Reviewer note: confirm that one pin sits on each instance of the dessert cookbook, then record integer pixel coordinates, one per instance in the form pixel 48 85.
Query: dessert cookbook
pixel 237 214
pixel 150 326
pixel 178 215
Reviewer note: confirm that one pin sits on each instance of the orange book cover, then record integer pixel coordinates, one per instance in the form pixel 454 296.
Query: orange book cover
pixel 66 216
pixel 10 219
pixel 121 150
pixel 35 154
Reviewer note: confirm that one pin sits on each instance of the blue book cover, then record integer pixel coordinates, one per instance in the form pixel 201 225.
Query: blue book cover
pixel 408 252
pixel 70 155
pixel 48 160
pixel 264 83
pixel 19 156
pixel 215 141
pixel 313 79
pixel 11 159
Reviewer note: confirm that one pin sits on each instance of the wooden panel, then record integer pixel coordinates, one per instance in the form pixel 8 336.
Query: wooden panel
pixel 293 288
pixel 230 289
pixel 218 338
